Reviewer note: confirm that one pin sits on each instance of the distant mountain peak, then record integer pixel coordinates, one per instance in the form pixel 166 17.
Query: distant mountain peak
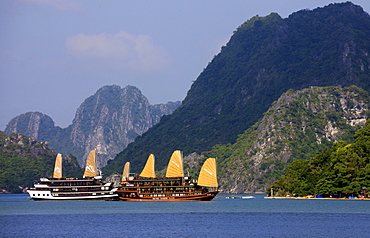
pixel 33 124
pixel 106 121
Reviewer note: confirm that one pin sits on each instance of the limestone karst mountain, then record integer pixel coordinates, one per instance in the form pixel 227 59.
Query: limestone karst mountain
pixel 265 57
pixel 297 126
pixel 107 121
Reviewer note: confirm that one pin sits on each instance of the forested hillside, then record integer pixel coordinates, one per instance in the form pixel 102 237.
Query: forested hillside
pixel 23 161
pixel 340 171
pixel 265 57
pixel 297 126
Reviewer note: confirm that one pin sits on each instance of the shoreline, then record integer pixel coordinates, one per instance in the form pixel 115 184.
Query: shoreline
pixel 313 198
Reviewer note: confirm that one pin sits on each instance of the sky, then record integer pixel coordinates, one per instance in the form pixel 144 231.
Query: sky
pixel 56 53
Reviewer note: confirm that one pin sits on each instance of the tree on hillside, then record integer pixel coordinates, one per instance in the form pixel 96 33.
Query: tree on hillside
pixel 342 170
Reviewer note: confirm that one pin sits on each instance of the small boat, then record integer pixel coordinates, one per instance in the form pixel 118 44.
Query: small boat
pixel 173 187
pixel 248 197
pixel 90 187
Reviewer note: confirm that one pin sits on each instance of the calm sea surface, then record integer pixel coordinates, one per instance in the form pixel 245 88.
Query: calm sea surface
pixel 21 217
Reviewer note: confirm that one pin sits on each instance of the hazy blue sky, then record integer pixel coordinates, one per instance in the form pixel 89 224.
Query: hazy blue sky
pixel 56 53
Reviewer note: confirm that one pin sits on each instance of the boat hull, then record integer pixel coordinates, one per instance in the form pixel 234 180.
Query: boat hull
pixel 72 189
pixel 39 195
pixel 75 198
pixel 134 196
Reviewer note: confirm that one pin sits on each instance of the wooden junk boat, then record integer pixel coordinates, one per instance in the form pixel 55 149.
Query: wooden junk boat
pixel 89 187
pixel 174 187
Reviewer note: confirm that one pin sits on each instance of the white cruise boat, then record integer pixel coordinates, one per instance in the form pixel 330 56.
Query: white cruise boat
pixel 89 187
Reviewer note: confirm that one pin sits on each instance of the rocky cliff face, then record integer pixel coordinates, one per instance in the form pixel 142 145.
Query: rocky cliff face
pixel 34 124
pixel 107 121
pixel 112 118
pixel 296 126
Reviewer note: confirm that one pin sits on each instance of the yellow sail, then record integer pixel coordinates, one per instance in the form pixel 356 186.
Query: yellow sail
pixel 174 168
pixel 126 171
pixel 148 170
pixel 208 174
pixel 58 167
pixel 90 169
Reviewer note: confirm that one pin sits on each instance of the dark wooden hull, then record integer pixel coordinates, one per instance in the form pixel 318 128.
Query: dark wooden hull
pixel 134 196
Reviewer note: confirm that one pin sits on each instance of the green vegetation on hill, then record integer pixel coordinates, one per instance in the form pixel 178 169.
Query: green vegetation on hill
pixel 23 160
pixel 265 57
pixel 297 126
pixel 342 170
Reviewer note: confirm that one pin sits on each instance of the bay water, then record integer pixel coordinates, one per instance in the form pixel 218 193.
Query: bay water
pixel 221 217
